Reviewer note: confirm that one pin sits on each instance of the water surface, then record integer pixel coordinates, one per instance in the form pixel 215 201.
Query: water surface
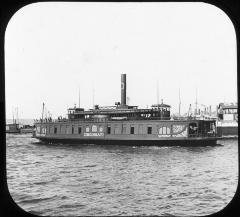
pixel 75 180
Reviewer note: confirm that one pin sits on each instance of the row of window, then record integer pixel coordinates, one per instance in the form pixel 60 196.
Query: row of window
pixel 132 130
pixel 79 130
pixel 162 130
pixel 117 130
pixel 230 111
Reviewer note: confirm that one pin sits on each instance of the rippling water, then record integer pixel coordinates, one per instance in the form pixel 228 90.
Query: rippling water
pixel 75 180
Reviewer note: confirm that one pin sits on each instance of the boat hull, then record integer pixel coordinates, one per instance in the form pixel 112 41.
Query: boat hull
pixel 24 131
pixel 13 131
pixel 227 131
pixel 167 142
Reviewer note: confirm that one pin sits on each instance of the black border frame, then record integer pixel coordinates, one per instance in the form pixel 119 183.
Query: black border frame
pixel 7 9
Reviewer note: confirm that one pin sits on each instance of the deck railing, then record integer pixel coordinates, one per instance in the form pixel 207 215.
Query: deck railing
pixel 99 119
pixel 205 134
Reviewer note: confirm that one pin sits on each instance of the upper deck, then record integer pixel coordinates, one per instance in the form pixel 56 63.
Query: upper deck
pixel 156 112
pixel 121 110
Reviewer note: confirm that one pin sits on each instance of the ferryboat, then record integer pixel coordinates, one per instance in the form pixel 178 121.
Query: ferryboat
pixel 123 124
pixel 227 124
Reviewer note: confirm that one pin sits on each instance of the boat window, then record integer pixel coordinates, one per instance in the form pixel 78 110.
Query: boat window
pixel 160 130
pixel 149 130
pixel 116 129
pixel 132 130
pixel 55 130
pixel 192 129
pixel 100 129
pixel 72 130
pixel 124 129
pixel 168 130
pixel 44 130
pixel 79 130
pixel 94 128
pixel 164 130
pixel 108 130
pixel 51 130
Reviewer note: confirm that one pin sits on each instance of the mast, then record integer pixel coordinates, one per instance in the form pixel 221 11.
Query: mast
pixel 42 111
pixel 49 114
pixel 179 106
pixel 78 97
pixel 13 114
pixel 93 95
pixel 17 119
pixel 190 110
pixel 42 118
pixel 196 104
pixel 45 113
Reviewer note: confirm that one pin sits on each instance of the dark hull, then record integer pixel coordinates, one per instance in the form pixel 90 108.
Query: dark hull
pixel 169 142
pixel 24 131
pixel 13 131
pixel 227 131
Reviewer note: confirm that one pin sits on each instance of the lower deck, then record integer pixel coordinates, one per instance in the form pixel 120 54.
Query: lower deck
pixel 127 132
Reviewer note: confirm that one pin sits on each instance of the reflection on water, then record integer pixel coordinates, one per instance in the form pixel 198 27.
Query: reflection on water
pixel 64 179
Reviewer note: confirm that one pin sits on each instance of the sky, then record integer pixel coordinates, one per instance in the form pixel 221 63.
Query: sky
pixel 54 50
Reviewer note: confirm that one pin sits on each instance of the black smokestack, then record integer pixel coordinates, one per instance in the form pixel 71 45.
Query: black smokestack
pixel 123 89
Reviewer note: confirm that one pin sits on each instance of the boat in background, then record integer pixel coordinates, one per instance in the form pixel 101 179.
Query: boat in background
pixel 20 126
pixel 26 129
pixel 227 124
pixel 12 128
